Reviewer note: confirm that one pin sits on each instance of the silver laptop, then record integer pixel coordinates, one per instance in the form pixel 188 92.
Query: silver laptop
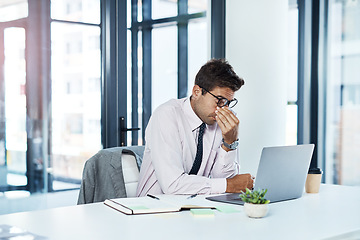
pixel 282 171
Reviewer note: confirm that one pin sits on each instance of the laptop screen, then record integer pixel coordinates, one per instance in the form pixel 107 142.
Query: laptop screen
pixel 282 171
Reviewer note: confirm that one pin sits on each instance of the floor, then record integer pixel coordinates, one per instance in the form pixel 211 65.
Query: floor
pixel 20 201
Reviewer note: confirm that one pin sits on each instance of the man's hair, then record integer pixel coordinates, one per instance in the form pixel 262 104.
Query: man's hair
pixel 218 73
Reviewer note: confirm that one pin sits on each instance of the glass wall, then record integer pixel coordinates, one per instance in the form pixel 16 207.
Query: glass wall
pixel 167 46
pixel 75 87
pixel 292 74
pixel 342 153
pixel 12 10
pixel 50 111
pixel 13 99
pixel 164 62
pixel 198 51
pixel 50 93
pixel 15 105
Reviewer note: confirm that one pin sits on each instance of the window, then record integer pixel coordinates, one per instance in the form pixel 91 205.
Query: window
pixel 50 66
pixel 164 65
pixel 73 125
pixel 60 87
pixel 82 11
pixel 76 89
pixel 15 100
pixel 12 10
pixel 168 45
pixel 292 108
pixel 342 155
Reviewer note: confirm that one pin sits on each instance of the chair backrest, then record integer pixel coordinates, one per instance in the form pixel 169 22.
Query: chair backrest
pixel 130 173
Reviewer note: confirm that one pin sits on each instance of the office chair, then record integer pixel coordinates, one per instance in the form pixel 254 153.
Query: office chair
pixel 131 172
pixel 111 173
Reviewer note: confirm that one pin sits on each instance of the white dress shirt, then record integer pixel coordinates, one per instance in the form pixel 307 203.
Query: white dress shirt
pixel 170 149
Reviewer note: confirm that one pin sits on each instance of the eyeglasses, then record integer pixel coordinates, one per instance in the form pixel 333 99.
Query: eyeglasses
pixel 223 101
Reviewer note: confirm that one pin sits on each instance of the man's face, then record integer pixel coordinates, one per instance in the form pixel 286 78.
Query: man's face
pixel 205 105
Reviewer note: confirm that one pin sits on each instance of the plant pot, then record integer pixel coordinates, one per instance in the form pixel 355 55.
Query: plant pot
pixel 256 210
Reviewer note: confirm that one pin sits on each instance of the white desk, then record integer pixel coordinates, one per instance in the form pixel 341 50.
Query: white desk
pixel 334 211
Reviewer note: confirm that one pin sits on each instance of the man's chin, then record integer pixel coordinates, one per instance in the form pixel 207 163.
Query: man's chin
pixel 211 121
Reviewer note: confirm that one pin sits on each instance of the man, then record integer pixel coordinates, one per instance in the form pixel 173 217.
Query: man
pixel 191 143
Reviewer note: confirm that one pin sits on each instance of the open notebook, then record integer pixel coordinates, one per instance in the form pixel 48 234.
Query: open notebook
pixel 159 204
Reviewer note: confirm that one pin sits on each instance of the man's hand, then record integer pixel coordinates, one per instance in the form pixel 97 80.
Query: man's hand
pixel 228 124
pixel 239 183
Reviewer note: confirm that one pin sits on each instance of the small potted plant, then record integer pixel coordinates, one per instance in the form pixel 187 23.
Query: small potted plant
pixel 256 206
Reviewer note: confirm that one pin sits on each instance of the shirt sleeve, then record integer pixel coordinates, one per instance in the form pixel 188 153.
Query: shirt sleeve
pixel 164 141
pixel 226 164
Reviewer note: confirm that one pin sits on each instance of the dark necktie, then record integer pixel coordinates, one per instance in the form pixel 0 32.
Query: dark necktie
pixel 199 152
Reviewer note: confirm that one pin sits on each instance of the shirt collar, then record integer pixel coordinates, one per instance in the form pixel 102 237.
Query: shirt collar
pixel 191 116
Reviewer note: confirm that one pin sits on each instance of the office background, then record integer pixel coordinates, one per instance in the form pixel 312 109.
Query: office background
pixel 76 74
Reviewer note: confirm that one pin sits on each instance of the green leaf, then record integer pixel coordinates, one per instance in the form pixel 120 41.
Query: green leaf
pixel 255 196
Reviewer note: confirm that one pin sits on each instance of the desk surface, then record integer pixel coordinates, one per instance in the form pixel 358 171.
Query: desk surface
pixel 334 211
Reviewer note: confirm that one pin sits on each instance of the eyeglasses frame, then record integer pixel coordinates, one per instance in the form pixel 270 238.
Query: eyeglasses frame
pixel 221 98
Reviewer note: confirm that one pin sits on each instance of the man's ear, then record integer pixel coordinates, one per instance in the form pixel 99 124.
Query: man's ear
pixel 196 91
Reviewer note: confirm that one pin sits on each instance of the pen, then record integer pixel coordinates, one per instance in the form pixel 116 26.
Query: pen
pixel 192 196
pixel 152 196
